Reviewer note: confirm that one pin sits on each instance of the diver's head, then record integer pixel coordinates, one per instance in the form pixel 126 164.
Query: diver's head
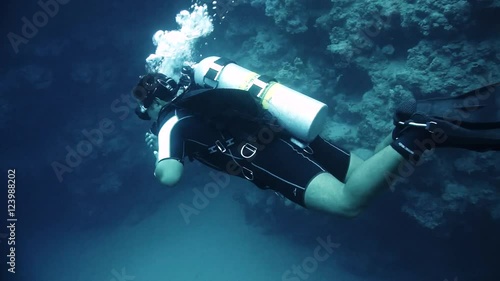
pixel 153 91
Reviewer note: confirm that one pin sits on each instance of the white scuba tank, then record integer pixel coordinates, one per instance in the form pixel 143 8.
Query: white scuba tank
pixel 299 114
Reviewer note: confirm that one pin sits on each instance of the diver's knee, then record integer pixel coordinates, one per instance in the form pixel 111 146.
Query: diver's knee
pixel 354 163
pixel 349 214
pixel 350 211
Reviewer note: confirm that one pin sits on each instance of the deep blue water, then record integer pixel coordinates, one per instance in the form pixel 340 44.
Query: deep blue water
pixel 109 216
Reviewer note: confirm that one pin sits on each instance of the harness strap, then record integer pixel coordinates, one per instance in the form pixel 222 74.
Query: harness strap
pixel 247 151
pixel 215 70
pixel 259 84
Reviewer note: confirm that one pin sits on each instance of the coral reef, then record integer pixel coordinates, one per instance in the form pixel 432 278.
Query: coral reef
pixel 431 17
pixel 437 67
pixel 431 210
pixel 290 15
pixel 381 53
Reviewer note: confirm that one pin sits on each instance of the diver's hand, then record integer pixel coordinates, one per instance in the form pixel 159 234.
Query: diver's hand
pixel 152 141
pixel 185 81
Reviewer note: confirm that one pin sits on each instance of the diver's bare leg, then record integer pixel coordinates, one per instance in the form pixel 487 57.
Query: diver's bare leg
pixel 364 181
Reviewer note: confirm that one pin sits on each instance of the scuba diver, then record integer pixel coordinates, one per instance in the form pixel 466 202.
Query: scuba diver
pixel 252 130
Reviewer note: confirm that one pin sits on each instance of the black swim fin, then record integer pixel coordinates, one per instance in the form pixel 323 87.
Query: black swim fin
pixel 470 121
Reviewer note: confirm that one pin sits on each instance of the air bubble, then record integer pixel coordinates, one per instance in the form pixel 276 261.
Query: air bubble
pixel 193 25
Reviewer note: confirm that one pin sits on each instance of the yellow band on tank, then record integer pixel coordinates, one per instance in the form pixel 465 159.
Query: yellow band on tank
pixel 268 93
pixel 247 80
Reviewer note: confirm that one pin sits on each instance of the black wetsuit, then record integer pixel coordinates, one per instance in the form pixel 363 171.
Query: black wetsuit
pixel 267 158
